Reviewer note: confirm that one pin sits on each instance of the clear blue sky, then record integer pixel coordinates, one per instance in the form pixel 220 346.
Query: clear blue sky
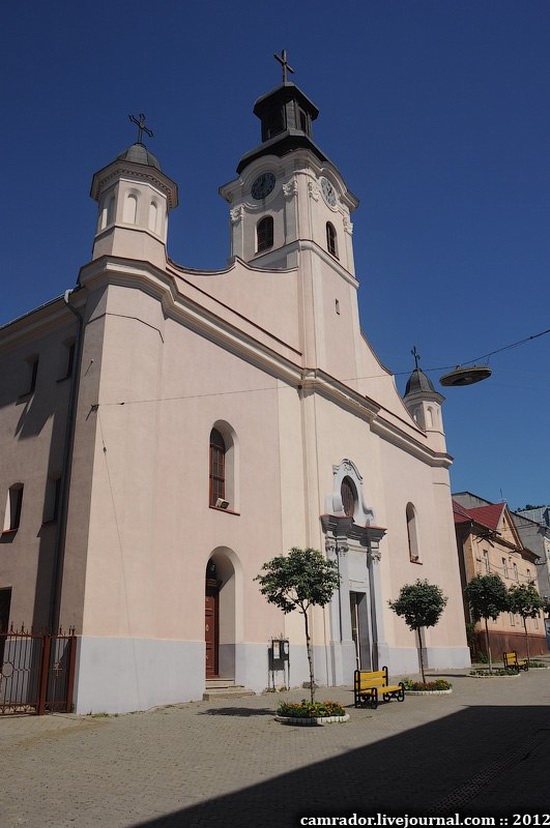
pixel 437 113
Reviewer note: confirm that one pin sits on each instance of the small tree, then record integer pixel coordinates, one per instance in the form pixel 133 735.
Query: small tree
pixel 525 601
pixel 300 580
pixel 488 597
pixel 421 605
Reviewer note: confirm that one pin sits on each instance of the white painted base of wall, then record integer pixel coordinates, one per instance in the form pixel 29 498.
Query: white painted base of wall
pixel 403 661
pixel 119 675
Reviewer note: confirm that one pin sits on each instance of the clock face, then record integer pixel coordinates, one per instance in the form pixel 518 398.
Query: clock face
pixel 262 186
pixel 328 192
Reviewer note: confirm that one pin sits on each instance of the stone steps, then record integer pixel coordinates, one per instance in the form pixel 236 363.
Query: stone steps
pixel 225 689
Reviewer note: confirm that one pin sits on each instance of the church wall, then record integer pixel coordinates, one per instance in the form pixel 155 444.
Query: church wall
pixel 151 529
pixel 391 479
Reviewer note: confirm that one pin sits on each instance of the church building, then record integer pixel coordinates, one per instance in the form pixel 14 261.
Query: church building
pixel 164 431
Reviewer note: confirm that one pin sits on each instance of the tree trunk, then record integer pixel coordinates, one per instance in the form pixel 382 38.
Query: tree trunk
pixel 420 657
pixel 526 638
pixel 488 646
pixel 309 659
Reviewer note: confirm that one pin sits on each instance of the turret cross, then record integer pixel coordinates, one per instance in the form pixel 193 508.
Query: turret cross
pixel 416 356
pixel 141 126
pixel 285 65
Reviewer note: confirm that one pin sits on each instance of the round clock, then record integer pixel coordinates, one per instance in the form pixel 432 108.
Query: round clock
pixel 262 186
pixel 328 191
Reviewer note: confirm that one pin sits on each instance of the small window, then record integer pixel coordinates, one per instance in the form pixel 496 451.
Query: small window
pixel 515 569
pixel 67 360
pixel 129 215
pixel 14 502
pixel 349 496
pixel 486 564
pixel 51 503
pixel 332 245
pixel 505 568
pixel 264 232
pixel 32 373
pixel 217 467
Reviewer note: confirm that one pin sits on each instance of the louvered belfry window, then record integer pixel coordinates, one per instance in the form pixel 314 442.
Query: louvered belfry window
pixel 217 467
pixel 264 232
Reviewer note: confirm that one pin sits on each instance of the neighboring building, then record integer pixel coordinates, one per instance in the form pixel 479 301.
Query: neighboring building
pixel 488 542
pixel 533 526
pixel 165 431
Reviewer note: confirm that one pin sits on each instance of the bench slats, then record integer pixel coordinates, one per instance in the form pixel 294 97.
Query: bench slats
pixel 368 686
pixel 511 660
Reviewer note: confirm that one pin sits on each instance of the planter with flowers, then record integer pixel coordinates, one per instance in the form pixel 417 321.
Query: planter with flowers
pixel 311 713
pixel 438 687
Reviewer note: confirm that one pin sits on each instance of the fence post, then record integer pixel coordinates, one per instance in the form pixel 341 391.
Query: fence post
pixel 43 677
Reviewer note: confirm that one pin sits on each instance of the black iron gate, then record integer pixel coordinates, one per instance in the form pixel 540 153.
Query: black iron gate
pixel 36 672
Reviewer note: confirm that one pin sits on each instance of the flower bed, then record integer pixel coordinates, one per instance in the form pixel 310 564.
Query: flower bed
pixel 438 687
pixel 498 672
pixel 311 713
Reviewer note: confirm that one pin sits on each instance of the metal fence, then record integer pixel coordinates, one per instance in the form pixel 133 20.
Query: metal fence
pixel 36 672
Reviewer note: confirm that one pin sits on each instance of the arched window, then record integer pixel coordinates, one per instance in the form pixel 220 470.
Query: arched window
pixel 412 532
pixel 332 245
pixel 153 216
pixel 349 496
pixel 130 209
pixel 217 467
pixel 264 234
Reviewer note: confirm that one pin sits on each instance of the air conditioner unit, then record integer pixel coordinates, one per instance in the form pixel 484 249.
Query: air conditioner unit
pixel 221 503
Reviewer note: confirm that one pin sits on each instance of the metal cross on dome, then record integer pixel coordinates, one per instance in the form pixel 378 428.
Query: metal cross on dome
pixel 416 356
pixel 141 126
pixel 284 64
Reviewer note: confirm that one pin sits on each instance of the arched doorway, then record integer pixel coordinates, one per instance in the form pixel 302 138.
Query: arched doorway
pixel 220 617
pixel 212 620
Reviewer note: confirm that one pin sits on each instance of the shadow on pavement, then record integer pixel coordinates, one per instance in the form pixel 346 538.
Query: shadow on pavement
pixel 490 761
pixel 238 711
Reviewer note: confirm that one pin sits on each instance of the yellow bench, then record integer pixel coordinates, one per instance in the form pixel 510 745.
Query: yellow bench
pixel 511 660
pixel 368 687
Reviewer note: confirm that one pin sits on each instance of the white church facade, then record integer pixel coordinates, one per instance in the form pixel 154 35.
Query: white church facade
pixel 165 431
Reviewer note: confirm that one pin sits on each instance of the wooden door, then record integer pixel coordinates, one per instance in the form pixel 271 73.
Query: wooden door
pixel 211 627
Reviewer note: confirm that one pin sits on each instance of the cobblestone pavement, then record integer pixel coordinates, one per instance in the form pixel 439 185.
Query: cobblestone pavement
pixel 483 750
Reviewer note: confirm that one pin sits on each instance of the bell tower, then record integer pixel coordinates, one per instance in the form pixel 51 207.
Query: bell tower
pixel 288 194
pixel 134 198
pixel 424 404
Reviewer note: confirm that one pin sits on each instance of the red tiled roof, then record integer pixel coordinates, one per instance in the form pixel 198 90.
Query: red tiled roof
pixel 489 516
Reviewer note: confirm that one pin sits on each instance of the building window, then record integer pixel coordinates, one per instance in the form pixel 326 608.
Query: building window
pixel 505 568
pixel 52 499
pixel 14 502
pixel 529 579
pixel 217 467
pixel 515 570
pixel 264 234
pixel 129 214
pixel 32 373
pixel 512 620
pixel 486 564
pixel 67 360
pixel 332 245
pixel 412 532
pixel 349 496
